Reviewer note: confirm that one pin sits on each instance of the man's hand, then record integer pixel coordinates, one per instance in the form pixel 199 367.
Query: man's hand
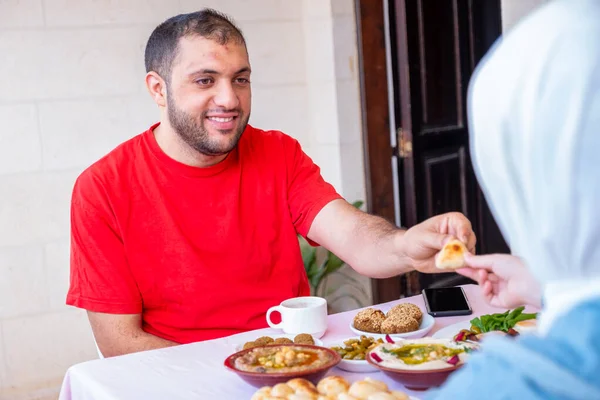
pixel 504 280
pixel 423 241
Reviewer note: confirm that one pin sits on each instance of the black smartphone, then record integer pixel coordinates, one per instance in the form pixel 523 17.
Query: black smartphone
pixel 446 302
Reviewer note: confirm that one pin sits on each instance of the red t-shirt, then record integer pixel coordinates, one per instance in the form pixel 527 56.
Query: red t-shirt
pixel 201 252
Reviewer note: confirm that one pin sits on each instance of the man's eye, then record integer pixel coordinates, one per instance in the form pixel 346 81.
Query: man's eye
pixel 204 81
pixel 242 80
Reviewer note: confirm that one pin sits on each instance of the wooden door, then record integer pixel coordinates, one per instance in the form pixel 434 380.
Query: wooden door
pixel 435 46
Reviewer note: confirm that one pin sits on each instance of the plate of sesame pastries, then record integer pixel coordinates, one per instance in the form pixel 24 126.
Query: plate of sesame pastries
pixel 405 320
pixel 302 338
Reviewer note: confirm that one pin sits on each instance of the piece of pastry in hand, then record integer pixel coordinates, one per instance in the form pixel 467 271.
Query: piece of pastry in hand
pixel 452 255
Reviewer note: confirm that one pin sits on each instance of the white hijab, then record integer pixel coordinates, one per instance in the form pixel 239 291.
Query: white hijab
pixel 534 116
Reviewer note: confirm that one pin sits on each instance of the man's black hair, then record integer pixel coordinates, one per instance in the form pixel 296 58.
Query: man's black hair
pixel 162 46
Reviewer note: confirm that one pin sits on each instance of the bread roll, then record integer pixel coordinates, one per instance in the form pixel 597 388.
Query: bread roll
pixel 346 396
pixel 302 396
pixel 400 395
pixel 379 384
pixel 262 393
pixel 381 396
pixel 281 390
pixel 333 385
pixel 363 389
pixel 298 383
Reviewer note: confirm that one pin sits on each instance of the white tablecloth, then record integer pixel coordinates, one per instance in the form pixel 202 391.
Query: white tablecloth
pixel 196 371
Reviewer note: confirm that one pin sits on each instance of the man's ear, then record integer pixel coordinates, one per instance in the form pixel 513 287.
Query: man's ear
pixel 157 88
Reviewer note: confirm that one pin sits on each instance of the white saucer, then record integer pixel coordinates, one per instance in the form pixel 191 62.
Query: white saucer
pixel 450 331
pixel 427 324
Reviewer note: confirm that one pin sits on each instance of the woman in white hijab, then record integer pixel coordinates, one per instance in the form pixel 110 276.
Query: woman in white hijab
pixel 534 105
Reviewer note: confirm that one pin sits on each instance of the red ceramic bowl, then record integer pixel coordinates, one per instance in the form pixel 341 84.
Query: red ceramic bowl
pixel 416 380
pixel 259 379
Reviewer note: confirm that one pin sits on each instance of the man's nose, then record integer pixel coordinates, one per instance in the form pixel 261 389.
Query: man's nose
pixel 226 97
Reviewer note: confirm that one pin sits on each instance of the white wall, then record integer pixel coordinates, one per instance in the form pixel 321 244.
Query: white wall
pixel 72 89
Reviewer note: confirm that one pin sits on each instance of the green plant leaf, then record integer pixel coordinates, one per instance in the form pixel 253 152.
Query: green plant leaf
pixel 317 278
pixel 358 203
pixel 333 263
pixel 309 252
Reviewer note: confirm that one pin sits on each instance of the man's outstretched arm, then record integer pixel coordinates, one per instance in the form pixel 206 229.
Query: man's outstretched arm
pixel 376 248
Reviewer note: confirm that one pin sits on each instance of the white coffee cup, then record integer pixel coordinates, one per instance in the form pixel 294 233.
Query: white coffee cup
pixel 301 315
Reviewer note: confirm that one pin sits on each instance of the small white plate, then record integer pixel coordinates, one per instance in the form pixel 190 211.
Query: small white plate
pixel 427 324
pixel 450 331
pixel 240 346
pixel 353 365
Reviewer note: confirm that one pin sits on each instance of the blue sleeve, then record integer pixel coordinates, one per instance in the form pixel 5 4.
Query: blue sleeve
pixel 564 365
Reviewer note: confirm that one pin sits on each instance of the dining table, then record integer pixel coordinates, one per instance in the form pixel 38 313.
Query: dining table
pixel 197 371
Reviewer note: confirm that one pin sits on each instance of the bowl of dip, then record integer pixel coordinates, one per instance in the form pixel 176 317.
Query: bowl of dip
pixel 420 364
pixel 272 364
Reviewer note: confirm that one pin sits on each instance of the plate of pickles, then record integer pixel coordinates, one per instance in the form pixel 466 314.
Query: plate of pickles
pixel 353 351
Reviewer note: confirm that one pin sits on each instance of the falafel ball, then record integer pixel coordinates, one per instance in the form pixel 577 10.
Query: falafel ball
pixel 263 341
pixel 283 340
pixel 249 345
pixel 408 309
pixel 369 320
pixel 399 323
pixel 304 338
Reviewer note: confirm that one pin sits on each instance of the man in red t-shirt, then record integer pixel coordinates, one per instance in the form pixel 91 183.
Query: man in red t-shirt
pixel 188 231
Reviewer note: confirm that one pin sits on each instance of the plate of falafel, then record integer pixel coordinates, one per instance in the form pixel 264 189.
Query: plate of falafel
pixel 302 338
pixel 405 320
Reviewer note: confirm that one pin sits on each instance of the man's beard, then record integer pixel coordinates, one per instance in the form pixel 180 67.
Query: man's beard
pixel 193 132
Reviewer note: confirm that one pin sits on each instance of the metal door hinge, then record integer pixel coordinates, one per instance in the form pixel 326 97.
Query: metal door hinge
pixel 405 147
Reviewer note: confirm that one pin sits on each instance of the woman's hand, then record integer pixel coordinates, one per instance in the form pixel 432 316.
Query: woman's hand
pixel 505 280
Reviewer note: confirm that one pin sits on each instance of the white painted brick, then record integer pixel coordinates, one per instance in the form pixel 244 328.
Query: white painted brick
pixel 20 144
pixel 283 108
pixel 3 365
pixel 323 113
pixel 143 113
pixel 342 7
pixel 42 347
pixel 104 12
pixel 263 10
pixel 21 13
pixel 23 288
pixel 64 64
pixel 35 207
pixel 328 158
pixel 275 51
pixel 310 151
pixel 56 256
pixel 77 133
pixel 348 111
pixel 353 171
pixel 319 51
pixel 317 9
pixel 345 49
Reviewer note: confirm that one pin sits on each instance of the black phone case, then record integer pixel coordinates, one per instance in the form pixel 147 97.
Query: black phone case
pixel 451 313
